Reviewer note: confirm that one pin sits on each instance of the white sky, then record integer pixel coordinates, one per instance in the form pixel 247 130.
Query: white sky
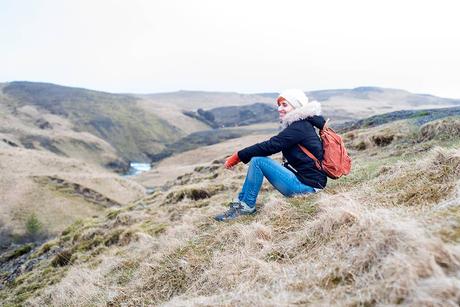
pixel 244 46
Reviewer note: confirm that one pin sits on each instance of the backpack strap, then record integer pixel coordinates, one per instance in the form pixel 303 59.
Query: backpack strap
pixel 326 124
pixel 308 153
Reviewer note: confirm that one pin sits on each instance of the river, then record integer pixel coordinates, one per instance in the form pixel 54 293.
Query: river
pixel 135 168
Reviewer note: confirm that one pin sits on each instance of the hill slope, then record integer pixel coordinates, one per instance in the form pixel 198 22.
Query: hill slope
pixel 385 235
pixel 420 117
pixel 28 127
pixel 138 126
pixel 115 118
pixel 56 190
pixel 237 115
pixel 340 105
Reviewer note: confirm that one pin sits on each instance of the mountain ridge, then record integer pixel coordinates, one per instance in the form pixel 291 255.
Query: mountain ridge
pixel 138 127
pixel 115 118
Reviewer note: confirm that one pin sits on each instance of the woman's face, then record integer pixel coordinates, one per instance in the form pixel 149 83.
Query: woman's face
pixel 283 108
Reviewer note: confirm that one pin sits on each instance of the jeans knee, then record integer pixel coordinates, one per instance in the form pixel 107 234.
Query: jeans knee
pixel 256 160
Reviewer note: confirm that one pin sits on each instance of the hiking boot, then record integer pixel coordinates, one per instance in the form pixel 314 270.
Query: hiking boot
pixel 237 208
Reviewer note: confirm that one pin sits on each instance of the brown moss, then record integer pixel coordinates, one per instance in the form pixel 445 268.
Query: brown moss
pixel 201 204
pixel 113 237
pixel 22 250
pixel 206 169
pixel 62 258
pixel 336 278
pixel 126 237
pixel 361 146
pixel 193 193
pixel 113 214
pixel 153 228
pixel 46 247
pixel 350 136
pixel 382 140
pixel 90 239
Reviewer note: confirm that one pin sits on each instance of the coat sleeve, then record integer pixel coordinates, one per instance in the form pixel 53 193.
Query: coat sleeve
pixel 292 135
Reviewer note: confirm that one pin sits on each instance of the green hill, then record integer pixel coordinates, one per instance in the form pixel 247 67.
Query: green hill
pixel 115 118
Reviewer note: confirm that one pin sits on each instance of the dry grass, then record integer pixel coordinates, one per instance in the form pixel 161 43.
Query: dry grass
pixel 339 253
pixel 58 190
pixel 383 257
pixel 386 235
pixel 442 129
pixel 419 182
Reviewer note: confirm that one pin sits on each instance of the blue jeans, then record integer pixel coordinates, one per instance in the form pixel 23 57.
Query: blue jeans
pixel 280 177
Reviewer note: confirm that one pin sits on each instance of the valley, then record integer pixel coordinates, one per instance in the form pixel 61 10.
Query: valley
pixel 75 232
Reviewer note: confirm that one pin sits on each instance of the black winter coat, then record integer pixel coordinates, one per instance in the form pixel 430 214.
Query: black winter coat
pixel 301 131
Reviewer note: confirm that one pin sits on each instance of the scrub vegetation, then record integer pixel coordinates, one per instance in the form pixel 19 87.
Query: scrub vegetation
pixel 387 234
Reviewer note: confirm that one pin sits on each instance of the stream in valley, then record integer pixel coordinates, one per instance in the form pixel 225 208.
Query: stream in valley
pixel 135 168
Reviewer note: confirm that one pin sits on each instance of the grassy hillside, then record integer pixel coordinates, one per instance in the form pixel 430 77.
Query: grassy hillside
pixel 420 117
pixel 181 163
pixel 138 126
pixel 173 106
pixel 201 139
pixel 56 191
pixel 235 116
pixel 340 105
pixel 387 234
pixel 362 102
pixel 174 115
pixel 114 118
pixel 34 128
pixel 373 92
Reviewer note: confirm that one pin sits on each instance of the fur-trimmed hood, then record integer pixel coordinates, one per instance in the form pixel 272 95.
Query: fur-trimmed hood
pixel 310 109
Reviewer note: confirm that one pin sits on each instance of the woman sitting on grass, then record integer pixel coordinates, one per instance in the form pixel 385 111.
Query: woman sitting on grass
pixel 298 174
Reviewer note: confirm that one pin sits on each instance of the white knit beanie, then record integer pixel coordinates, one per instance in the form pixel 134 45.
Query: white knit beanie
pixel 296 98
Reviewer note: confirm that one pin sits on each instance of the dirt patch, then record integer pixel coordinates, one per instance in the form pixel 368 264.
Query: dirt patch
pixel 193 193
pixel 382 140
pixel 76 189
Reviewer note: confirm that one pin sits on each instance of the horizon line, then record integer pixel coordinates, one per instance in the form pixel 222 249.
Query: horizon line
pixel 220 91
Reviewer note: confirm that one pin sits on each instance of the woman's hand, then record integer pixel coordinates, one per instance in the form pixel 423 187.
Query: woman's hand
pixel 232 161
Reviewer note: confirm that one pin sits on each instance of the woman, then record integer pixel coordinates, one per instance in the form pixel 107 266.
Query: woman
pixel 298 174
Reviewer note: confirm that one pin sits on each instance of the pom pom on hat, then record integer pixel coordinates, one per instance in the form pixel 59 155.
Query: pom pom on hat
pixel 296 98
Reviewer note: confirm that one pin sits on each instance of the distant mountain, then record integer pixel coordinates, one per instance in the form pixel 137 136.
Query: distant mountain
pixel 418 117
pixel 192 100
pixel 373 93
pixel 379 93
pixel 139 126
pixel 115 118
pixel 340 105
pixel 234 116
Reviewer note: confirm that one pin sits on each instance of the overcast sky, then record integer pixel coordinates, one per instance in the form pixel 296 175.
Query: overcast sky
pixel 245 46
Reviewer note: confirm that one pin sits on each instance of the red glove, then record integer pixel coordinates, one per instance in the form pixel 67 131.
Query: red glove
pixel 232 161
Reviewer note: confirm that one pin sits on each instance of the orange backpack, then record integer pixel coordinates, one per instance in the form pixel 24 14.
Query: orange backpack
pixel 336 161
